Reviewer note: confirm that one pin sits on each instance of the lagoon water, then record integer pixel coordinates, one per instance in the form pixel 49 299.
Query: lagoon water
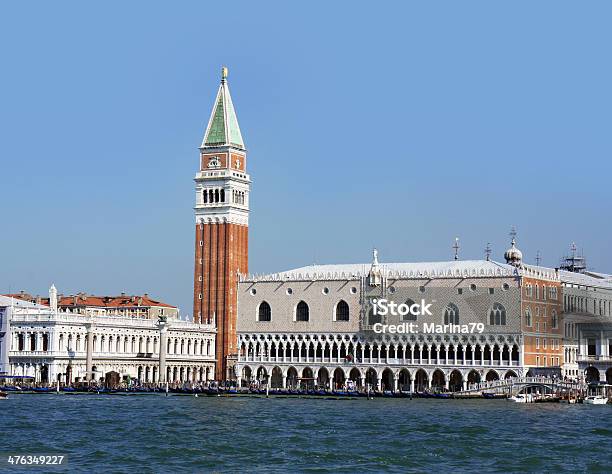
pixel 154 433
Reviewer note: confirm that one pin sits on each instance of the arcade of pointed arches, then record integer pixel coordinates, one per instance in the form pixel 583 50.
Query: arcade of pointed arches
pixel 435 361
pixel 383 378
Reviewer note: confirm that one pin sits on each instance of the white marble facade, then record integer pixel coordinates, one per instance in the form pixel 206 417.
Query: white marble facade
pixel 48 345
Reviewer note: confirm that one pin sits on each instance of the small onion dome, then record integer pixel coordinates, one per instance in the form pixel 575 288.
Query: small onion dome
pixel 513 255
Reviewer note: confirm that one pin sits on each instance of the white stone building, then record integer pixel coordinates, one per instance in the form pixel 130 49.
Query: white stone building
pixel 314 325
pixel 587 301
pixel 47 344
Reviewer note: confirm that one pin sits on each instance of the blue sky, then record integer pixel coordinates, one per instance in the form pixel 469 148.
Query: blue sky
pixel 399 125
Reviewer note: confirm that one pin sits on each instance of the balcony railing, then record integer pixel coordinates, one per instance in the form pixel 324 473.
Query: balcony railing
pixel 28 316
pixel 594 358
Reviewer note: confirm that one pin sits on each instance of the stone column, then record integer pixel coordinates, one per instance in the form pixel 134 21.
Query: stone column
pixel 412 384
pixel 89 357
pixel 163 347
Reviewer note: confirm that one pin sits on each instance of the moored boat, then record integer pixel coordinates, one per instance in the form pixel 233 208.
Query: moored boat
pixel 441 395
pixel 489 395
pixel 596 400
pixel 3 395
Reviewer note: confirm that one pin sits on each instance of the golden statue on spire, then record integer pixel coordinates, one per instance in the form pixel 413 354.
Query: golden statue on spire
pixel 224 72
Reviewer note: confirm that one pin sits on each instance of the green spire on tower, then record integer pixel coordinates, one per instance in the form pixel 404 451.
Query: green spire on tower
pixel 223 129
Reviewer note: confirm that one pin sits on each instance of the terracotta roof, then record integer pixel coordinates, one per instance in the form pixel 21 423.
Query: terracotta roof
pixel 122 301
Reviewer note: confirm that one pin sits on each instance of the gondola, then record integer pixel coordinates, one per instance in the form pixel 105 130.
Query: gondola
pixel 441 395
pixel 402 395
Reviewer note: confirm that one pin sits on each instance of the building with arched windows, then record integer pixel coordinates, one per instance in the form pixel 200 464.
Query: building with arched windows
pixel 587 324
pixel 319 326
pixel 48 343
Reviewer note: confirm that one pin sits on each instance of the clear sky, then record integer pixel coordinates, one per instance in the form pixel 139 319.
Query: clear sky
pixel 399 125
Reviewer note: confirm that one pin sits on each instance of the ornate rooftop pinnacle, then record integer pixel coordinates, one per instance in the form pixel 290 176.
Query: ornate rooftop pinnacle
pixel 513 255
pixel 375 275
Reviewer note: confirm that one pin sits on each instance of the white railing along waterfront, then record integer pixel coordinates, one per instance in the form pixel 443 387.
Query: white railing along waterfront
pixel 510 382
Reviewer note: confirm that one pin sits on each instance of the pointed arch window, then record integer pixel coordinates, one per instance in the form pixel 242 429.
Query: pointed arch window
pixel 373 318
pixel 497 315
pixel 451 314
pixel 528 319
pixel 342 311
pixel 302 312
pixel 264 313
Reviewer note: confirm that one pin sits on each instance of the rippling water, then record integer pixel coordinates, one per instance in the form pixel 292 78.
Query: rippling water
pixel 152 433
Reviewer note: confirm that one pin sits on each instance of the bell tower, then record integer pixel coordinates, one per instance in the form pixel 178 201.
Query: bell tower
pixel 221 225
